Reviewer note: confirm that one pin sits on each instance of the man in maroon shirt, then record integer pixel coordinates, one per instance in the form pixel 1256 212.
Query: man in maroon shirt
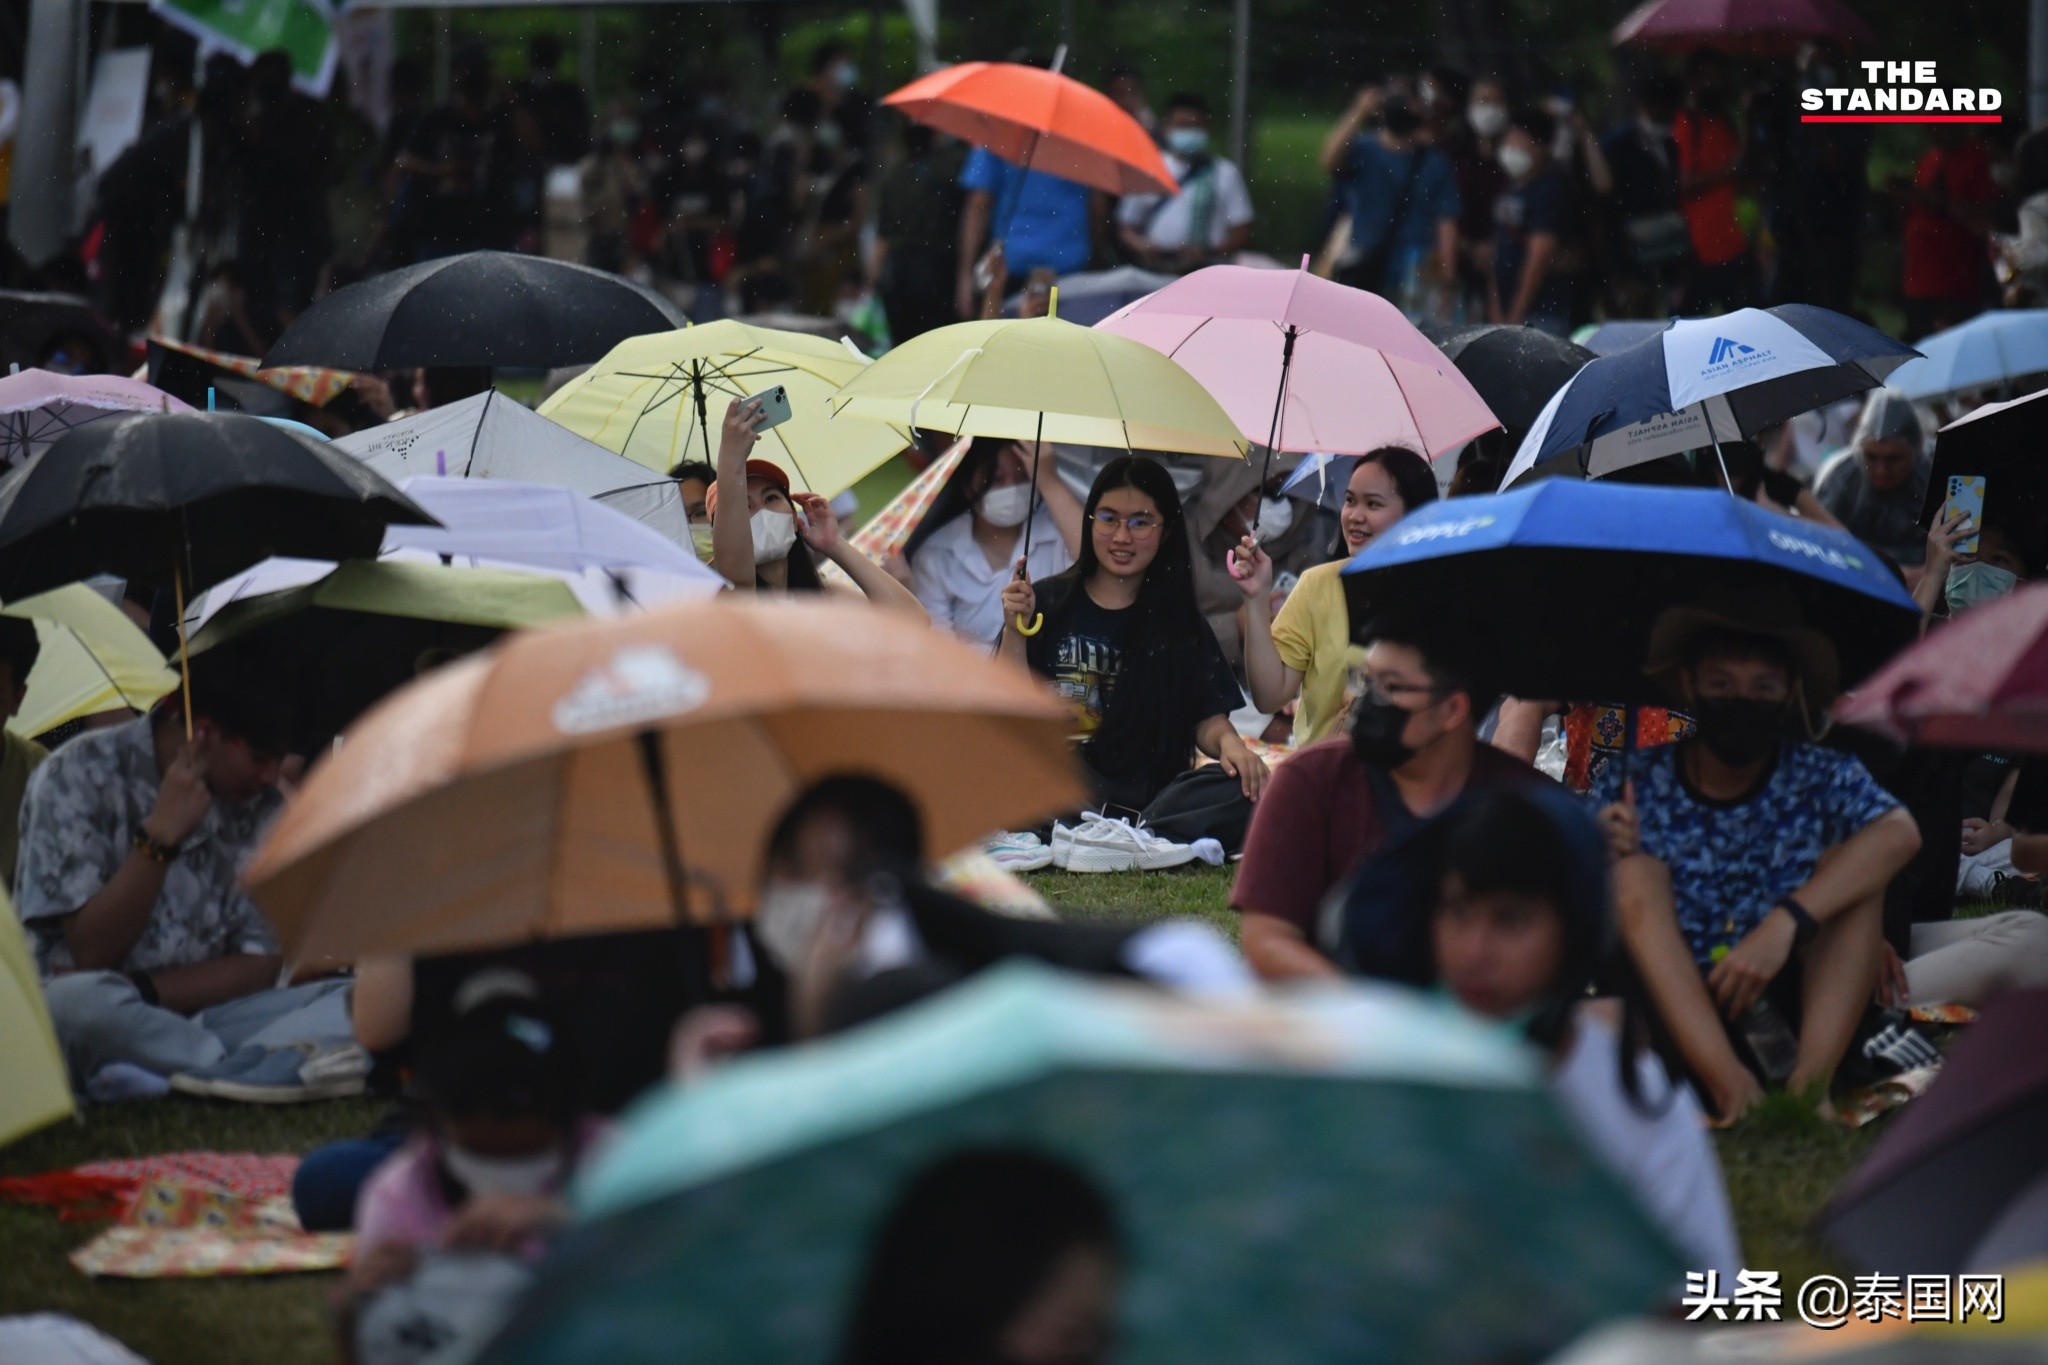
pixel 1413 749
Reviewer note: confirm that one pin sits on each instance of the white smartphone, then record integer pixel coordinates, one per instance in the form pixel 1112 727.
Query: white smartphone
pixel 774 408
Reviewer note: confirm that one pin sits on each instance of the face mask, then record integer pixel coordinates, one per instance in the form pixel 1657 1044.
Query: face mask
pixel 700 541
pixel 528 1175
pixel 1376 728
pixel 1276 517
pixel 846 75
pixel 1739 731
pixel 625 132
pixel 785 920
pixel 1488 120
pixel 774 535
pixel 1006 506
pixel 1972 585
pixel 1516 161
pixel 1187 141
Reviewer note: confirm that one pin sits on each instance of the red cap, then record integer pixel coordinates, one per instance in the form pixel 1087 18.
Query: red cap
pixel 756 469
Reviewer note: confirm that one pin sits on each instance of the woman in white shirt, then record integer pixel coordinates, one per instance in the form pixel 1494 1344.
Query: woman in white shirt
pixel 969 543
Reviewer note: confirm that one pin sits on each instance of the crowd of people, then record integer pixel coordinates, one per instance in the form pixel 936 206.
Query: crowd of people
pixel 1678 906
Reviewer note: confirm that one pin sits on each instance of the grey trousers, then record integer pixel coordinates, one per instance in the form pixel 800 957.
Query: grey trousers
pixel 101 1018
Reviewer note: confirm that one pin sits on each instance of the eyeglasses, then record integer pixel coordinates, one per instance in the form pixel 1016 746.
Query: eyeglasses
pixel 1371 689
pixel 1139 524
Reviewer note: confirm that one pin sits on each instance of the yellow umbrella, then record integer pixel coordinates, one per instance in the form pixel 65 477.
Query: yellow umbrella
pixel 93 659
pixel 1038 380
pixel 659 399
pixel 33 1087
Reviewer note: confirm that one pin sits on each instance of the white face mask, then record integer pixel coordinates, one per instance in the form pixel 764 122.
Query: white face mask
pixel 540 1173
pixel 1276 517
pixel 1972 585
pixel 774 535
pixel 1487 120
pixel 700 541
pixel 786 918
pixel 1006 506
pixel 1517 161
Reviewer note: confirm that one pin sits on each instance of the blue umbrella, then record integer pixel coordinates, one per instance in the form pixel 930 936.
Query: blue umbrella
pixel 1321 479
pixel 1990 349
pixel 1702 381
pixel 1605 338
pixel 1565 579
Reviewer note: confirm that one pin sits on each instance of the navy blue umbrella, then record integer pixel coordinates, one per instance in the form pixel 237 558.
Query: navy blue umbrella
pixel 1702 381
pixel 1564 579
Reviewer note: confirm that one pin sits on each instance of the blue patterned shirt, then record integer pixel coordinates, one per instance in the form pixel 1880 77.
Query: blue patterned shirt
pixel 1731 861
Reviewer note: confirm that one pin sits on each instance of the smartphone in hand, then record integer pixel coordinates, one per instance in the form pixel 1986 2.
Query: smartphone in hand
pixel 1965 495
pixel 774 408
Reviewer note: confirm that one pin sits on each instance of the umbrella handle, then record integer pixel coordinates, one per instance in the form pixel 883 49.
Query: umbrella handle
pixel 1027 629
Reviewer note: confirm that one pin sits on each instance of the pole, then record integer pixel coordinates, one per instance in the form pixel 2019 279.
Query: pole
pixel 1037 622
pixel 1241 84
pixel 1719 459
pixel 586 50
pixel 2037 64
pixel 444 56
pixel 184 648
pixel 654 766
pixel 1273 430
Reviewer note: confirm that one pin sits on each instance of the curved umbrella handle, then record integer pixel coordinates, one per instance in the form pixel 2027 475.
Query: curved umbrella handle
pixel 1033 626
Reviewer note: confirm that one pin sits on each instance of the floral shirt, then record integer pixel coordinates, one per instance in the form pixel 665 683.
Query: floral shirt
pixel 1731 861
pixel 78 821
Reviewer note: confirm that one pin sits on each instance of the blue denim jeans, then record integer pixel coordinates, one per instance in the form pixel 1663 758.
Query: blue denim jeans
pixel 100 1018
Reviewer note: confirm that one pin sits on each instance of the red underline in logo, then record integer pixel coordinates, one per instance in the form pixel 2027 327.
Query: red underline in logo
pixel 1901 118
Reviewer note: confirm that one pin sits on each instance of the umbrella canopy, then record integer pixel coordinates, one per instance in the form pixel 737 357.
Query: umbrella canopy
pixel 1029 379
pixel 1037 118
pixel 2004 444
pixel 490 436
pixel 1566 579
pixel 1515 370
pixel 1993 348
pixel 1605 338
pixel 887 531
pixel 1360 1175
pixel 1703 380
pixel 657 399
pixel 1745 28
pixel 1945 1167
pixel 314 385
pixel 503 797
pixel 37 407
pixel 34 1089
pixel 542 526
pixel 1979 682
pixel 92 659
pixel 197 496
pixel 1348 371
pixel 481 308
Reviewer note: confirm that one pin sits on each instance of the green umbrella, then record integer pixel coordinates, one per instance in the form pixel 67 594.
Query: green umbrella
pixel 500 599
pixel 1360 1174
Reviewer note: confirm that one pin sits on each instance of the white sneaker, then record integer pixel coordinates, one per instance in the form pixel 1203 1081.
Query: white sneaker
pixel 1063 838
pixel 1024 852
pixel 1105 845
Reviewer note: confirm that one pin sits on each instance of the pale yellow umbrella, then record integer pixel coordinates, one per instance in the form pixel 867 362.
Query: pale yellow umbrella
pixel 33 1087
pixel 92 659
pixel 659 399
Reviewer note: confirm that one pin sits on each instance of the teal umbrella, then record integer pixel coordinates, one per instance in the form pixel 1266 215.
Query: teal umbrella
pixel 1360 1174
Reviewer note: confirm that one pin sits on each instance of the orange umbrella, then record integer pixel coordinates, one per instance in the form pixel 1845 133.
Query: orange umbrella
pixel 514 794
pixel 1040 120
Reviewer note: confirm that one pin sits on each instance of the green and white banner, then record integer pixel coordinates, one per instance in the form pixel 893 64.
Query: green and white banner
pixel 302 28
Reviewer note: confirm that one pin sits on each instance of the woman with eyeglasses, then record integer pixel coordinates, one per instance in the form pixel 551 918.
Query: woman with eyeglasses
pixel 1304 651
pixel 1123 641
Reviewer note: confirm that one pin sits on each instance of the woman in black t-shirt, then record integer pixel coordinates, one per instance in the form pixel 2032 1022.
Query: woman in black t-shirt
pixel 1124 643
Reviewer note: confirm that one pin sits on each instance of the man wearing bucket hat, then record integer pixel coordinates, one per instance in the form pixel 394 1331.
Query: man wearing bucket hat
pixel 1754 863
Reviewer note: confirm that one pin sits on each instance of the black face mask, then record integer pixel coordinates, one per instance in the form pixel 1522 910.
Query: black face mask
pixel 1376 728
pixel 1738 730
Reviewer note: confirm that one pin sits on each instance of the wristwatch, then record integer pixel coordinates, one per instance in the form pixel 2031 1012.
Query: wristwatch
pixel 160 854
pixel 1804 925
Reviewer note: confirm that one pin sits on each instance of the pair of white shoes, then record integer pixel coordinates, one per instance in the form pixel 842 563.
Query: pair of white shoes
pixel 1101 843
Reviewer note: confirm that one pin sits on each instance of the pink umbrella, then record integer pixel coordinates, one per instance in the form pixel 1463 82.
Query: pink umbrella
pixel 1746 28
pixel 1980 682
pixel 38 406
pixel 1314 365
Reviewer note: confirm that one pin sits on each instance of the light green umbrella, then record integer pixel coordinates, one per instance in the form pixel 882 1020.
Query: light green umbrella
pixel 1358 1175
pixel 500 599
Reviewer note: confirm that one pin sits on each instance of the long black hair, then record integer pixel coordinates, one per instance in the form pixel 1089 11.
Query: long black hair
pixel 1152 707
pixel 971 478
pixel 1413 479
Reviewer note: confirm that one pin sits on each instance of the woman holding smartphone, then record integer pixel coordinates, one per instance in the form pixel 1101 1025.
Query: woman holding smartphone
pixel 759 551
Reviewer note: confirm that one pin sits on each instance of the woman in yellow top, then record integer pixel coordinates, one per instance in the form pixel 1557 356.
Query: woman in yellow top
pixel 1303 651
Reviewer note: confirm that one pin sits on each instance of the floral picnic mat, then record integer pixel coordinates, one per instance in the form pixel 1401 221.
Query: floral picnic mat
pixel 180 1229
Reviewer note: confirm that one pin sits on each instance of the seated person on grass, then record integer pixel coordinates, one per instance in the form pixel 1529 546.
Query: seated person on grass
pixel 19 756
pixel 1752 865
pixel 132 839
pixel 1413 749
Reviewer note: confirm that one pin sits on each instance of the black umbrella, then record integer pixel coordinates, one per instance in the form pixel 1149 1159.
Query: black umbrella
pixel 1954 1159
pixel 1515 369
pixel 2003 443
pixel 482 308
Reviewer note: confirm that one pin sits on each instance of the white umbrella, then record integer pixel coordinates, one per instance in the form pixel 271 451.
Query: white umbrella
pixel 489 436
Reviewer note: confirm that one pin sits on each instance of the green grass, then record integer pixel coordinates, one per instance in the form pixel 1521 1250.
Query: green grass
pixel 1780 1166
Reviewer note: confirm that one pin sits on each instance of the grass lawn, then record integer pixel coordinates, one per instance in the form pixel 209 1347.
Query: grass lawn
pixel 1780 1167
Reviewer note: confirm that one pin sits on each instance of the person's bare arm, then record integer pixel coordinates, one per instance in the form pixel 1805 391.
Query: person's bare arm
pixel 820 531
pixel 1020 603
pixel 1809 509
pixel 102 932
pixel 1273 683
pixel 1447 248
pixel 1519 731
pixel 974 219
pixel 1338 141
pixel 1598 173
pixel 732 535
pixel 192 988
pixel 1542 247
pixel 1278 951
pixel 1059 500
pixel 380 1006
pixel 1219 739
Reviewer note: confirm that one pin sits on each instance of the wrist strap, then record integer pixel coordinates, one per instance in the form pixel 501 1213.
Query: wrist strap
pixel 160 854
pixel 1804 925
